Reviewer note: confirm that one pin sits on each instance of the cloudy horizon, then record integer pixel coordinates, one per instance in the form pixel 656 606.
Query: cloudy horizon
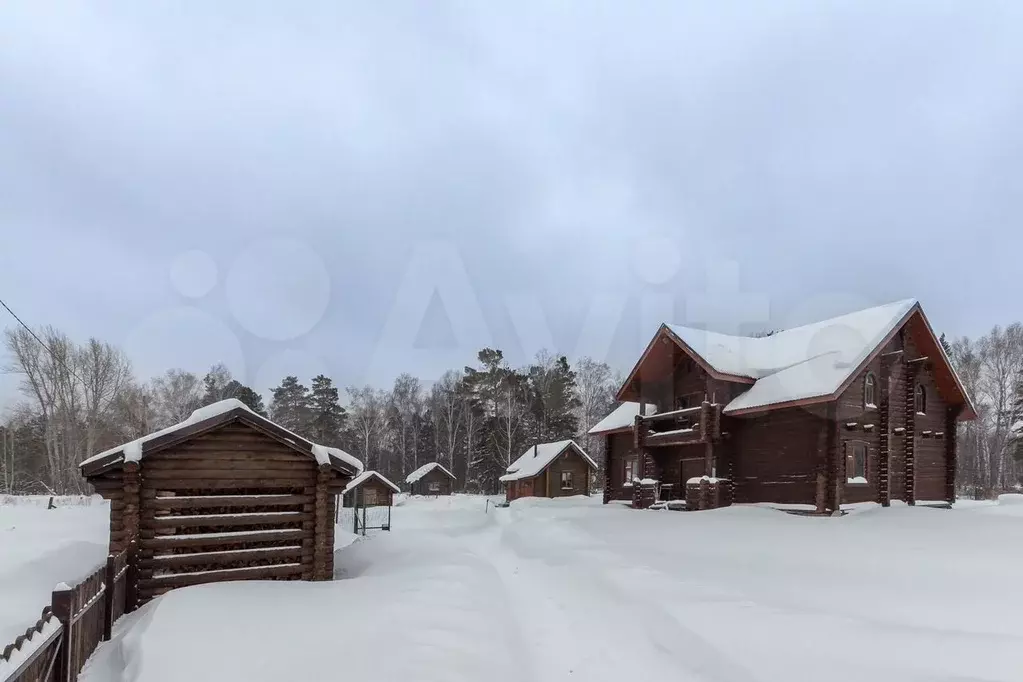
pixel 356 191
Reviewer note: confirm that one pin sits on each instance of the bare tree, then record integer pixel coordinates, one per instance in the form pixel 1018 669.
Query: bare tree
pixel 406 410
pixel 175 396
pixel 445 409
pixel 366 416
pixel 1001 365
pixel 596 389
pixel 105 372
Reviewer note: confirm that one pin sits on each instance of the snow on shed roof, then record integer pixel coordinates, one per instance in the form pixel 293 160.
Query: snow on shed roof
pixel 803 362
pixel 622 417
pixel 133 450
pixel 365 476
pixel 424 470
pixel 538 457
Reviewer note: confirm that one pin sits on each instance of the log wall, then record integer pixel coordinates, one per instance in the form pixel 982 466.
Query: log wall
pixel 232 504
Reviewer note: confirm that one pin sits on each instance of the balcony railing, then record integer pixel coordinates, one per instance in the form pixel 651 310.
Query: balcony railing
pixel 679 427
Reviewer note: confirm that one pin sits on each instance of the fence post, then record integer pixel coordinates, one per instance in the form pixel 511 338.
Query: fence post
pixel 108 598
pixel 62 604
pixel 131 586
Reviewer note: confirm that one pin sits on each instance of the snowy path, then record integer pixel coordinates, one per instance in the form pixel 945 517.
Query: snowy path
pixel 552 592
pixel 582 625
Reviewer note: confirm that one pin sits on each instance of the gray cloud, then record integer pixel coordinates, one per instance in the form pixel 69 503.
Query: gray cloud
pixel 840 153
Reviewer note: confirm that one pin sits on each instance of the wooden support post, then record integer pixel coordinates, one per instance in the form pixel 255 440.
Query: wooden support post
pixel 608 439
pixel 63 607
pixel 833 450
pixel 884 493
pixel 910 437
pixel 132 515
pixel 323 529
pixel 951 452
pixel 109 574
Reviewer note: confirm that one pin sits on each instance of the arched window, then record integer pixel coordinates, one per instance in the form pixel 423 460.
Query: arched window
pixel 920 399
pixel 869 391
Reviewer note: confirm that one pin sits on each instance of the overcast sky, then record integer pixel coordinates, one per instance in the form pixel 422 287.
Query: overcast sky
pixel 365 188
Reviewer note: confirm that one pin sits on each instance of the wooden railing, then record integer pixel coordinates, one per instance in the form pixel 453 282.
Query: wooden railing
pixel 679 427
pixel 78 618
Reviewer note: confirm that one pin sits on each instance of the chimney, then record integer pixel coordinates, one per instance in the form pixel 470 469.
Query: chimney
pixel 536 449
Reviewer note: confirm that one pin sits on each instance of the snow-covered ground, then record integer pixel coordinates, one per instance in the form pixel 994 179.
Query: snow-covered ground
pixel 41 547
pixel 573 590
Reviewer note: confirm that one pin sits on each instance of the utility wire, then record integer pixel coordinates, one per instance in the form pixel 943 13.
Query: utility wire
pixel 40 341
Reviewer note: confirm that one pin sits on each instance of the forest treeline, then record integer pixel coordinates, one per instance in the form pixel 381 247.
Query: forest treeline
pixel 81 398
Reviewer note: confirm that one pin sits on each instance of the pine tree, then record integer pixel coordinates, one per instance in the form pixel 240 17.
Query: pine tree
pixel 553 399
pixel 327 417
pixel 289 406
pixel 946 345
pixel 252 400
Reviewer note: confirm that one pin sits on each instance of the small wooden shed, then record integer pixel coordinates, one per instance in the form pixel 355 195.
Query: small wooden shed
pixel 430 479
pixel 225 495
pixel 559 469
pixel 369 489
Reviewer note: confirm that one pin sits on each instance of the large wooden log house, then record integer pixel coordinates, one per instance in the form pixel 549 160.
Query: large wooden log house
pixel 858 408
pixel 225 495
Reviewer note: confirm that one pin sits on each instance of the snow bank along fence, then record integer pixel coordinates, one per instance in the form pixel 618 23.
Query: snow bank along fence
pixel 71 627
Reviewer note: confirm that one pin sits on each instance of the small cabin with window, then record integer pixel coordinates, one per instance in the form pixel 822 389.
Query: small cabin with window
pixel 369 489
pixel 430 479
pixel 559 469
pixel 861 407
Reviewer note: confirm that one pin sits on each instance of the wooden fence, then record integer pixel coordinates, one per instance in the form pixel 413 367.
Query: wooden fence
pixel 78 618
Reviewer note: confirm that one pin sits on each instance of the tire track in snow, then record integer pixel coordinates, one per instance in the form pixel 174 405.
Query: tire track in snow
pixel 615 634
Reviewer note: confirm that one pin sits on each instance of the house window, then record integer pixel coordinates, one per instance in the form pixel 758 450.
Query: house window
pixel 631 469
pixel 869 391
pixel 566 480
pixel 856 462
pixel 434 486
pixel 920 399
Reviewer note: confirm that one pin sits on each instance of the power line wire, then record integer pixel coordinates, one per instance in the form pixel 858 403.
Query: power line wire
pixel 39 341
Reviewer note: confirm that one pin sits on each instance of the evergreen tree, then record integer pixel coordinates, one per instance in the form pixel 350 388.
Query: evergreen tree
pixel 252 400
pixel 553 399
pixel 290 408
pixel 327 417
pixel 218 384
pixel 946 345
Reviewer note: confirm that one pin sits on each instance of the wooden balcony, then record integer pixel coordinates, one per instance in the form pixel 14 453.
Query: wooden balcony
pixel 700 424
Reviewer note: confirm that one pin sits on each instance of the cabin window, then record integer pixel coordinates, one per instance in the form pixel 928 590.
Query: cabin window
pixel 369 496
pixel 856 463
pixel 631 469
pixel 869 391
pixel 434 486
pixel 920 399
pixel 566 480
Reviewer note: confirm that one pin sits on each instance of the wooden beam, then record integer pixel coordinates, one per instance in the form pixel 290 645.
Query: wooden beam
pixel 250 573
pixel 220 540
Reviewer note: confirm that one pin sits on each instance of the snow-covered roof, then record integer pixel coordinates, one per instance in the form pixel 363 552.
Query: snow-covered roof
pixel 803 362
pixel 538 457
pixel 366 475
pixel 133 450
pixel 622 417
pixel 424 470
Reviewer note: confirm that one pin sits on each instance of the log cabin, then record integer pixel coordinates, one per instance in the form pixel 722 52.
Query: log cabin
pixel 369 489
pixel 430 479
pixel 559 469
pixel 226 494
pixel 859 408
